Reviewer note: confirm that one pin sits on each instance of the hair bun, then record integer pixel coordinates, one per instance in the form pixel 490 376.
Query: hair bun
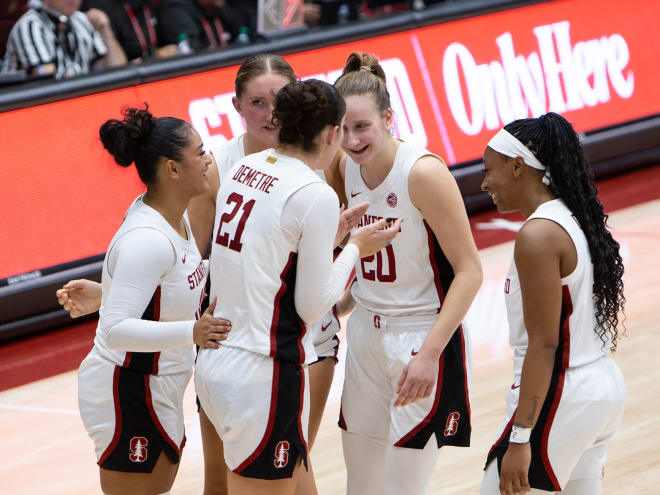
pixel 123 138
pixel 304 108
pixel 363 62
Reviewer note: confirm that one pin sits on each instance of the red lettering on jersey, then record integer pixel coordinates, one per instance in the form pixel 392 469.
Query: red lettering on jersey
pixel 507 286
pixel 379 273
pixel 238 172
pixel 281 454
pixel 138 448
pixel 254 179
pixel 250 177
pixel 368 219
pixel 452 424
pixel 376 321
pixel 198 276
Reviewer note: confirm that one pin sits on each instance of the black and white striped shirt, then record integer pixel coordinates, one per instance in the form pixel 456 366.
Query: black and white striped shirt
pixel 41 37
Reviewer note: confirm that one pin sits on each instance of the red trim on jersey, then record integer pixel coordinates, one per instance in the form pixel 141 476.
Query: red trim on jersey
pixel 154 417
pixel 507 431
pixel 127 359
pixel 430 236
pixel 300 409
pixel 117 433
pixel 301 349
pixel 429 416
pixel 342 421
pixel 465 374
pixel 565 350
pixel 334 313
pixel 276 308
pixel 271 421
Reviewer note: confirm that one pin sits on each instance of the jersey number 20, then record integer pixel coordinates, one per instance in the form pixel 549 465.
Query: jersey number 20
pixel 227 217
pixel 369 273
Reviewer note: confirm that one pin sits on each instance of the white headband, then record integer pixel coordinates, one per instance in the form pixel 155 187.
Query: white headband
pixel 507 144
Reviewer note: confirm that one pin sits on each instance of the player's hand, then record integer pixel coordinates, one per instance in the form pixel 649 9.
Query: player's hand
pixel 349 219
pixel 80 297
pixel 417 379
pixel 515 467
pixel 209 331
pixel 373 237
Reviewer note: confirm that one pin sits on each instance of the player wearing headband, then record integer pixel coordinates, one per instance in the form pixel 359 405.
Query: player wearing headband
pixel 563 293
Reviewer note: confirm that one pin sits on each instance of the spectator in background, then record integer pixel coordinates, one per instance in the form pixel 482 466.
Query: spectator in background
pixel 54 38
pixel 203 23
pixel 134 25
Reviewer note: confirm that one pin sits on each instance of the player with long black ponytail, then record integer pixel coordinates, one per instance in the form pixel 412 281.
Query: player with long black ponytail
pixel 564 292
pixel 556 144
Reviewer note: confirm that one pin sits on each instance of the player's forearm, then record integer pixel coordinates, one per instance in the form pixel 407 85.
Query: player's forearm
pixel 459 297
pixel 346 303
pixel 534 383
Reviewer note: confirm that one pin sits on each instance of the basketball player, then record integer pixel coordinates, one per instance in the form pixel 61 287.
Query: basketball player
pixel 131 385
pixel 406 387
pixel 272 271
pixel 257 82
pixel 563 291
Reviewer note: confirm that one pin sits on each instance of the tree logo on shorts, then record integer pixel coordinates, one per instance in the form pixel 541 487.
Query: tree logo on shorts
pixel 391 200
pixel 452 424
pixel 281 454
pixel 138 449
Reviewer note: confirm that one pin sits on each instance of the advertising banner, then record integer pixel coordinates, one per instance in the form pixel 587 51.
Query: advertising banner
pixel 452 86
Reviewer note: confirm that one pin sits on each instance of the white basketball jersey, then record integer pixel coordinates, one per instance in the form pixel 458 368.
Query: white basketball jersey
pixel 411 275
pixel 578 342
pixel 227 154
pixel 253 264
pixel 176 298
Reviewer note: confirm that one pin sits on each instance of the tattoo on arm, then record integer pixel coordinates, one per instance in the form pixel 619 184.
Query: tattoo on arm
pixel 530 416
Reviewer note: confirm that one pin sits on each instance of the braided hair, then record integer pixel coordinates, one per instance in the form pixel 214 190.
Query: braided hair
pixel 303 109
pixel 555 143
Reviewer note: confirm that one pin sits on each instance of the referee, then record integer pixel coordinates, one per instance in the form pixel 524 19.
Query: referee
pixel 54 38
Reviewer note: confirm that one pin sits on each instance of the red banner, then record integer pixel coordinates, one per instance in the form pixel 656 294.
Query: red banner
pixel 452 86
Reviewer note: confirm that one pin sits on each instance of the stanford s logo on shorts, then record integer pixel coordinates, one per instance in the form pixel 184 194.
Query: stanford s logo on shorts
pixel 138 449
pixel 452 424
pixel 281 454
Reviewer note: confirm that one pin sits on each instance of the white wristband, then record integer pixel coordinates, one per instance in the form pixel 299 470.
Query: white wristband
pixel 520 434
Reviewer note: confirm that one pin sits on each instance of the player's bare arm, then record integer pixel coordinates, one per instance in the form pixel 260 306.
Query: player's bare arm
pixel 80 297
pixel 434 192
pixel 537 256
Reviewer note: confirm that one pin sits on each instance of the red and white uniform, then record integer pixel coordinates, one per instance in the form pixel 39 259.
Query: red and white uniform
pixel 325 330
pixel 272 273
pixel 132 382
pixel 398 293
pixel 584 404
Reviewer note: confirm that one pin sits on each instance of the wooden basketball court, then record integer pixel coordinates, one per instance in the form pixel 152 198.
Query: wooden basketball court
pixel 45 449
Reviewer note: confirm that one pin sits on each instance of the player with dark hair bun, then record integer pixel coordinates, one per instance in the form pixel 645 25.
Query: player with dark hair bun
pixel 131 384
pixel 272 274
pixel 407 365
pixel 564 294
